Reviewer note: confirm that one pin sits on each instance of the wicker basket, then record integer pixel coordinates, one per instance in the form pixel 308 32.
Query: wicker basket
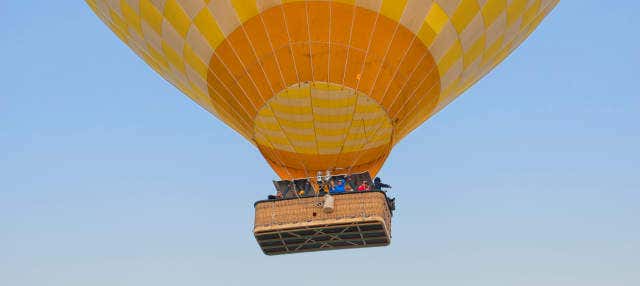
pixel 359 219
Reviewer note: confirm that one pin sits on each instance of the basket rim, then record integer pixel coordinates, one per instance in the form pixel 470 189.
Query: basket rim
pixel 306 197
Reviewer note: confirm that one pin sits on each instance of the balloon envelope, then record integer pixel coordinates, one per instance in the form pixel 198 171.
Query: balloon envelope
pixel 322 85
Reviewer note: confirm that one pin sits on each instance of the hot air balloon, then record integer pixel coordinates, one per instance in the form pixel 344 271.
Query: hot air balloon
pixel 322 86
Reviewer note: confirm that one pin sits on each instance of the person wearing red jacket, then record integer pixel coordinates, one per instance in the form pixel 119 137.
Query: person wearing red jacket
pixel 364 186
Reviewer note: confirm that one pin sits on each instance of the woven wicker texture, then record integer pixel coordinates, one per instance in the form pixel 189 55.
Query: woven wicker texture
pixel 359 219
pixel 273 215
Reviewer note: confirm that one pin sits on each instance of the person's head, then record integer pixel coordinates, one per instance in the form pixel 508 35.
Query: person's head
pixel 339 182
pixel 377 180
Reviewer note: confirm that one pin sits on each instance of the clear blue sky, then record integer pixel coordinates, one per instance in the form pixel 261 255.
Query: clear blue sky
pixel 109 176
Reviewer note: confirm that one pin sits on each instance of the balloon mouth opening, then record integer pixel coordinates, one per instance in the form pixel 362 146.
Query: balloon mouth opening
pixel 321 126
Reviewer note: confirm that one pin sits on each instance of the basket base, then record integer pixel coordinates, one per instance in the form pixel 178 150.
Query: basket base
pixel 350 233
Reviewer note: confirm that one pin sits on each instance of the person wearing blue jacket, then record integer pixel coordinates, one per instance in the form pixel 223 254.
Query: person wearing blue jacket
pixel 338 187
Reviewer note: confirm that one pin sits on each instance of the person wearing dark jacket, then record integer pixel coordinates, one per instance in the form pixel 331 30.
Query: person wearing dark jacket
pixel 378 184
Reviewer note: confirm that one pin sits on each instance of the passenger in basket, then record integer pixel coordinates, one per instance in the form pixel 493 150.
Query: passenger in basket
pixel 275 197
pixel 338 188
pixel 378 184
pixel 348 188
pixel 349 184
pixel 332 186
pixel 308 189
pixel 290 190
pixel 364 186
